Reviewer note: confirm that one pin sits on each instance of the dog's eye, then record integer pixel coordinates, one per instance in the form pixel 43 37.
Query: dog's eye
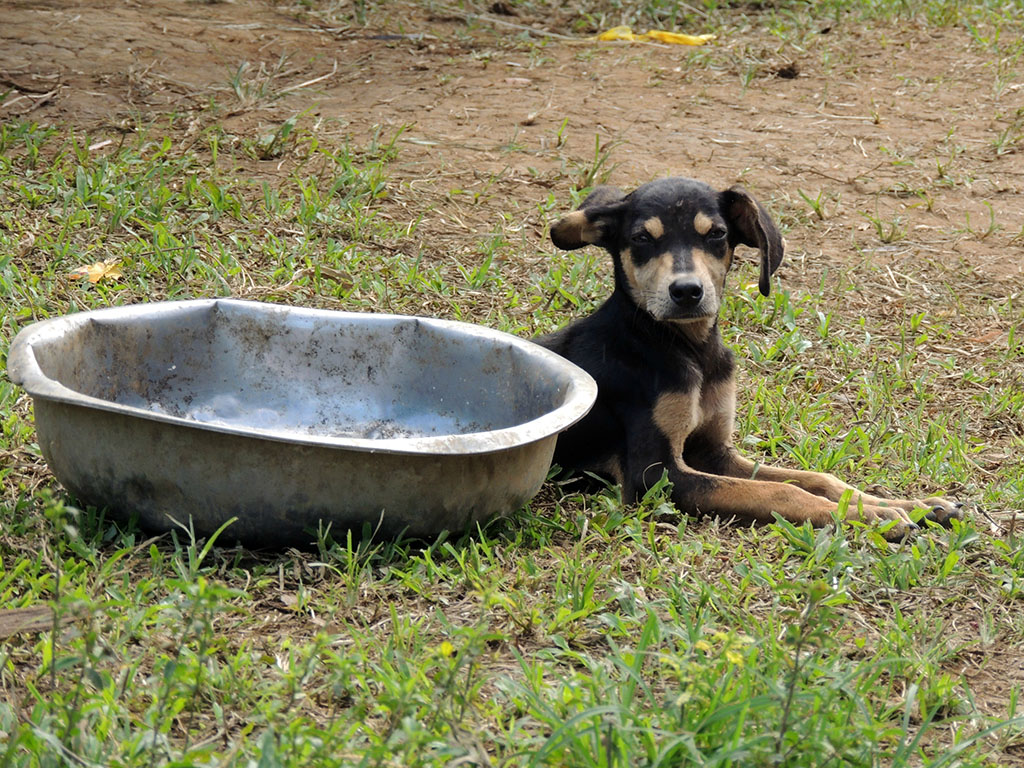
pixel 717 234
pixel 641 237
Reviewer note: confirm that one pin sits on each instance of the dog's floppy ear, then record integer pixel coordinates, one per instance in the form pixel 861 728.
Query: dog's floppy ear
pixel 593 223
pixel 750 224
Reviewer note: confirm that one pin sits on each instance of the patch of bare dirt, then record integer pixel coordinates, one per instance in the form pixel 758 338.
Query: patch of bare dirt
pixel 905 138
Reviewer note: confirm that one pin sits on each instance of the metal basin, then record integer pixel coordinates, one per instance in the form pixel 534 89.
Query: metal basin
pixel 286 417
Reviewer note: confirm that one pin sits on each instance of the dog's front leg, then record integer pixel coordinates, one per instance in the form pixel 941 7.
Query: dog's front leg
pixel 696 492
pixel 832 488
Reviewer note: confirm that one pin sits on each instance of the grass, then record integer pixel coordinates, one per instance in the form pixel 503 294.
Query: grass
pixel 579 631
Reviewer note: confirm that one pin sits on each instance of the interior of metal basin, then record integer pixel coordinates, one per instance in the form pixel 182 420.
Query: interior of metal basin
pixel 330 374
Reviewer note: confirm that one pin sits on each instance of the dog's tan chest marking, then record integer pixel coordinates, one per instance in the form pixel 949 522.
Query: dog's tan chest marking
pixel 655 227
pixel 676 415
pixel 702 223
pixel 711 411
pixel 718 410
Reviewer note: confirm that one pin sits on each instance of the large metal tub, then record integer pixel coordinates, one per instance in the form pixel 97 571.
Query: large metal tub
pixel 286 417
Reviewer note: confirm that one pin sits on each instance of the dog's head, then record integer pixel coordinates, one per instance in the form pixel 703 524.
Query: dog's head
pixel 672 241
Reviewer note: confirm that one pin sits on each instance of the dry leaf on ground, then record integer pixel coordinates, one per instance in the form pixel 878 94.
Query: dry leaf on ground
pixel 101 270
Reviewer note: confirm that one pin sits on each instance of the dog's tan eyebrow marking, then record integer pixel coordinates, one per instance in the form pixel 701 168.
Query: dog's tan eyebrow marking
pixel 702 223
pixel 655 227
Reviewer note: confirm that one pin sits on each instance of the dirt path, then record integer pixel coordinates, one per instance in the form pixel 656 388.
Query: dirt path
pixel 907 142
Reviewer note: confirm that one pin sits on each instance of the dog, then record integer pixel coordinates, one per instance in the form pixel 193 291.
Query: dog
pixel 666 382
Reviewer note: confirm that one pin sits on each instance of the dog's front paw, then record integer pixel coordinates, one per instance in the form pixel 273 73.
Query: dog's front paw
pixel 894 520
pixel 942 511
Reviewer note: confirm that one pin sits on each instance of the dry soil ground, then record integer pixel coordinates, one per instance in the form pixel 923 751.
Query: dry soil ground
pixel 907 136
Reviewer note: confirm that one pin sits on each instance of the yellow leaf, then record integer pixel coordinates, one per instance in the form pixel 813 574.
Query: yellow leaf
pixel 703 645
pixel 447 649
pixel 101 270
pixel 619 33
pixel 673 38
pixel 676 38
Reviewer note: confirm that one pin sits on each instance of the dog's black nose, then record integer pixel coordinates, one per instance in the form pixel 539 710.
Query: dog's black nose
pixel 686 292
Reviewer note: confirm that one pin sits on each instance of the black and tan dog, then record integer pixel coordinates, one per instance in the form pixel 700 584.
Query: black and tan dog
pixel 666 391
